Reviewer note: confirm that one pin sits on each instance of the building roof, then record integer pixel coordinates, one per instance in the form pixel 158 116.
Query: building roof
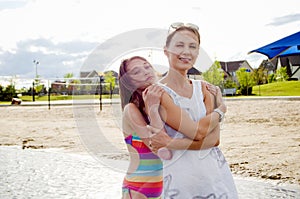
pixel 232 66
pixel 293 60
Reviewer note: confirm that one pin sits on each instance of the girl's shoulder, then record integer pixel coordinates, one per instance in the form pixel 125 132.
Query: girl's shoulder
pixel 130 109
pixel 130 114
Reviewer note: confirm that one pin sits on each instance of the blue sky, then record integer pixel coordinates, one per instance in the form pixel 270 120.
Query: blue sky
pixel 61 34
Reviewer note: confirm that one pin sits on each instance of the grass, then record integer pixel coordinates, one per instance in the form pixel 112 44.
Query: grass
pixel 61 97
pixel 286 88
pixel 66 97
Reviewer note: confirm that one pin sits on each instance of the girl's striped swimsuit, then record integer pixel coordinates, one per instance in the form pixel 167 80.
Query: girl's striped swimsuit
pixel 148 178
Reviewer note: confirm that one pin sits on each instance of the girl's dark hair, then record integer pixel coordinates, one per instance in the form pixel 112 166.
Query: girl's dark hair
pixel 129 93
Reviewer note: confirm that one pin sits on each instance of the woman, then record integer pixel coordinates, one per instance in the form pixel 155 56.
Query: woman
pixel 144 176
pixel 191 174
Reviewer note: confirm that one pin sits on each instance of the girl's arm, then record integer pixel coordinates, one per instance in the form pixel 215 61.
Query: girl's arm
pixel 134 122
pixel 134 119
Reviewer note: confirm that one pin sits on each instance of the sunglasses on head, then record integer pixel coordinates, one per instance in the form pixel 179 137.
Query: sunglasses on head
pixel 177 25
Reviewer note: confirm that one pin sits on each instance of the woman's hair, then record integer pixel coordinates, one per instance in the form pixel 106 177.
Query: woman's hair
pixel 129 93
pixel 191 29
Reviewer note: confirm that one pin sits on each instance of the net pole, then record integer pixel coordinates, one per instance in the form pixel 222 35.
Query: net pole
pixel 100 92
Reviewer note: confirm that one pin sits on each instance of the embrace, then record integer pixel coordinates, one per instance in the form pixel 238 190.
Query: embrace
pixel 172 126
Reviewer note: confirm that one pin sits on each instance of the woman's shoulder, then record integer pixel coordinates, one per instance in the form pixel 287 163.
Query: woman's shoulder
pixel 201 84
pixel 198 81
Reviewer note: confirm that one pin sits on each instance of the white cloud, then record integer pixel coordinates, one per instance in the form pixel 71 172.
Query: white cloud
pixel 229 29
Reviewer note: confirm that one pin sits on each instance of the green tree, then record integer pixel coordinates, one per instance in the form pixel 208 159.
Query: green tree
pixel 39 88
pixel 110 81
pixel 214 74
pixel 1 93
pixel 229 83
pixel 246 80
pixel 281 74
pixel 6 94
pixel 71 83
pixel 260 76
pixel 271 78
pixel 69 75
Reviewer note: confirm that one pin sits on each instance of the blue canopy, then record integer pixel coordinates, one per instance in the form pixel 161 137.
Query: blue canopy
pixel 286 46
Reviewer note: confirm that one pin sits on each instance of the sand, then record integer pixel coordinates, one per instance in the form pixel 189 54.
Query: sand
pixel 259 138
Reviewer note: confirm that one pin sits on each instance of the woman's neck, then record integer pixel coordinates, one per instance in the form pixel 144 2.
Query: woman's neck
pixel 177 81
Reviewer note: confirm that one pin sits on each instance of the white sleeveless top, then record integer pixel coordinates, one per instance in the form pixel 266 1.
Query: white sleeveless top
pixel 194 106
pixel 196 173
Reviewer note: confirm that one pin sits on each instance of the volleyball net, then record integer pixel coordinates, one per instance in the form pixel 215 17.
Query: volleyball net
pixel 87 89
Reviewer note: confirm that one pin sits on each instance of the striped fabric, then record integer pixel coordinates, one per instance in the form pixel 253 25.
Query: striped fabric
pixel 147 179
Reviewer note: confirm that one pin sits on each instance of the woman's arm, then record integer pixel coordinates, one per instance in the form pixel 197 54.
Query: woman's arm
pixel 180 120
pixel 161 139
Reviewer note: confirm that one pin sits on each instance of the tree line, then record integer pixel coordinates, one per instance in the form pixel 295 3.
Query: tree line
pixel 245 79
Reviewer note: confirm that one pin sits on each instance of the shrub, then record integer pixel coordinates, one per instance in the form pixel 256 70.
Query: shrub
pixel 6 94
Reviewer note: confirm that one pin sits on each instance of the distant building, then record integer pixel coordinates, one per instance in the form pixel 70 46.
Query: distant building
pixel 93 74
pixel 89 74
pixel 58 86
pixel 231 67
pixel 292 64
pixel 93 78
pixel 267 66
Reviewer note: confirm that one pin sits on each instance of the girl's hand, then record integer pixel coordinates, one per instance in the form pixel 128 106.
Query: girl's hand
pixel 218 96
pixel 216 91
pixel 158 142
pixel 159 138
pixel 211 88
pixel 151 96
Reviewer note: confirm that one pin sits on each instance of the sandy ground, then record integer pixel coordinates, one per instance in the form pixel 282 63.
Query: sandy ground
pixel 259 138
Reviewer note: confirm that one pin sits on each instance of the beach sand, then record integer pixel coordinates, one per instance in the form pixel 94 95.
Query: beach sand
pixel 259 138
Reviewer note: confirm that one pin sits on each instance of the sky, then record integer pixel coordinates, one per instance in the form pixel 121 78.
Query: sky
pixel 62 34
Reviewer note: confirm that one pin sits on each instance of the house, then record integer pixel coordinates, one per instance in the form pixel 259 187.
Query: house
pixel 269 66
pixel 231 67
pixel 291 62
pixel 92 78
pixel 58 86
pixel 193 73
pixel 89 74
pixel 95 74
